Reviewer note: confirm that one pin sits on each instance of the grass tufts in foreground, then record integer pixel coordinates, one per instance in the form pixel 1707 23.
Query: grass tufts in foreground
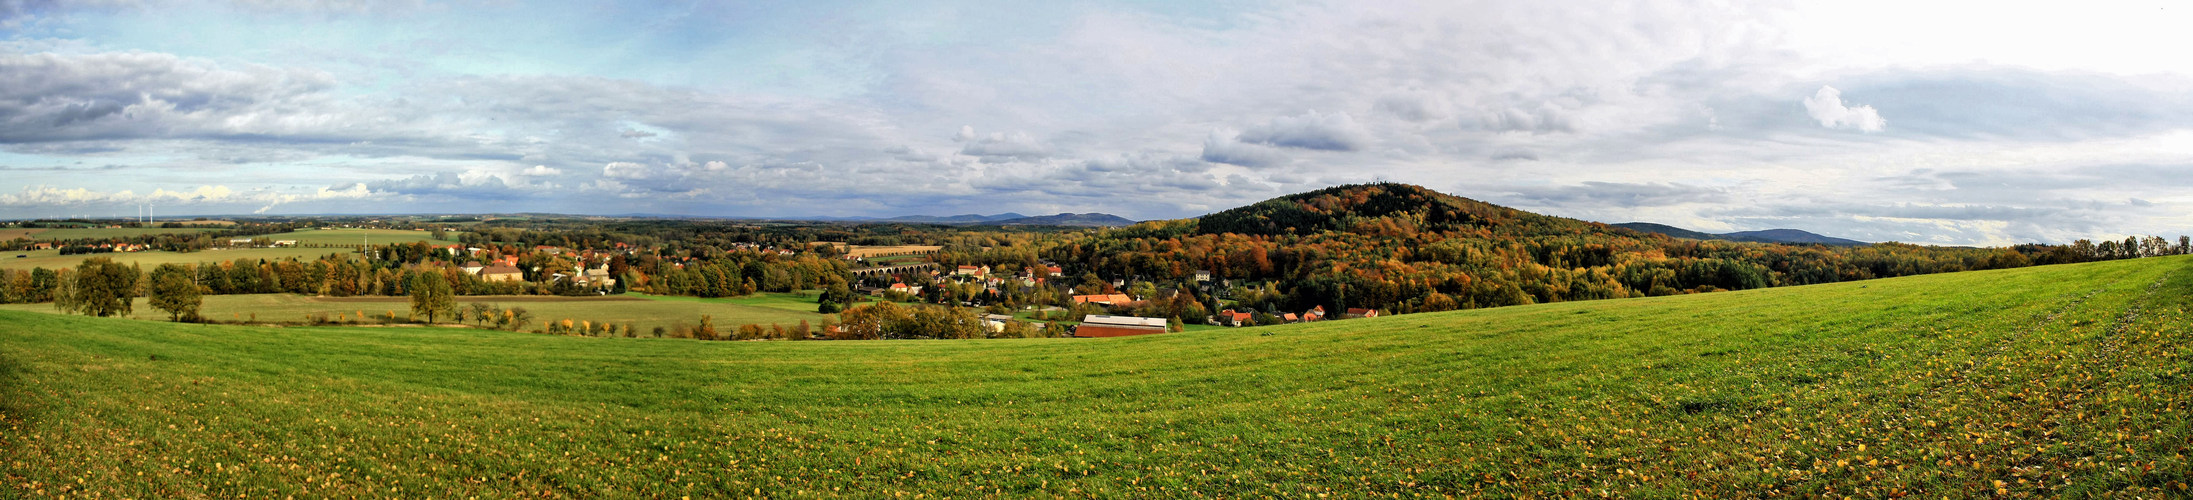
pixel 2052 381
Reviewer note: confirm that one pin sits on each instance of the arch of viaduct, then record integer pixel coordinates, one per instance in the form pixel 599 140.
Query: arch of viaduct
pixel 889 270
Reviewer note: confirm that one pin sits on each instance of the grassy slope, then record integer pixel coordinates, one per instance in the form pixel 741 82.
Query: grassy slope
pixel 647 313
pixel 2061 380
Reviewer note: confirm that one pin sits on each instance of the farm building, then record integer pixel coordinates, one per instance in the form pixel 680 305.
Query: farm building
pixel 1103 300
pixel 996 322
pixel 1118 326
pixel 502 273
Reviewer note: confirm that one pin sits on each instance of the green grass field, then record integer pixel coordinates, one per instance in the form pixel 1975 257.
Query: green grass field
pixel 358 236
pixel 2051 381
pixel 52 259
pixel 638 310
pixel 105 233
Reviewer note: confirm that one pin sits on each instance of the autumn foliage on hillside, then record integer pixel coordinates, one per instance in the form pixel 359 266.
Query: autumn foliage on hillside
pixel 1404 248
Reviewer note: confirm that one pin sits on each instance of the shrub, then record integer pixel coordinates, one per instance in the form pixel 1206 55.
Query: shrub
pixel 707 330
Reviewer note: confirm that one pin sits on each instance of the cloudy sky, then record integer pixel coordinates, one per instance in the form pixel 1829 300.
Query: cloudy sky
pixel 1981 123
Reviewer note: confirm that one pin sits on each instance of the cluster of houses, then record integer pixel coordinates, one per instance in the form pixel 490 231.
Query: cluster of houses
pixel 1103 325
pixel 506 269
pixel 102 247
pixel 254 243
pixel 1231 317
pixel 980 274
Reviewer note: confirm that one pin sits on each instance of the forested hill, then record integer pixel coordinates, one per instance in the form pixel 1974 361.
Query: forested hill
pixel 1382 208
pixel 1404 248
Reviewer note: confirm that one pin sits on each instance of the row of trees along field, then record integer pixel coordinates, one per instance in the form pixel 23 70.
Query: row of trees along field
pixel 172 242
pixel 1403 248
pixel 712 236
pixel 102 287
pixel 391 269
pixel 729 274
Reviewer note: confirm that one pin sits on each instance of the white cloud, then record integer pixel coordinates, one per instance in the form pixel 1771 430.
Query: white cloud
pixel 1017 145
pixel 351 192
pixel 540 171
pixel 629 170
pixel 1827 107
pixel 202 194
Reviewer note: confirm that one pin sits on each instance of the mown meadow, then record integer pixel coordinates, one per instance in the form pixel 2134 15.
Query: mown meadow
pixel 52 259
pixel 643 312
pixel 2067 380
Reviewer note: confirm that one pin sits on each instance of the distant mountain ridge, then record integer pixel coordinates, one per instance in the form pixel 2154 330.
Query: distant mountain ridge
pixel 955 219
pixel 1092 219
pixel 1794 236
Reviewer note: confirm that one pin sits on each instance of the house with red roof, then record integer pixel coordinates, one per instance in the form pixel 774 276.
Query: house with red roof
pixel 1231 318
pixel 1103 299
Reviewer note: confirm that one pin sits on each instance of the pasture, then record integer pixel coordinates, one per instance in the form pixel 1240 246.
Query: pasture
pixel 2038 382
pixel 52 259
pixel 94 233
pixel 353 236
pixel 640 311
pixel 103 233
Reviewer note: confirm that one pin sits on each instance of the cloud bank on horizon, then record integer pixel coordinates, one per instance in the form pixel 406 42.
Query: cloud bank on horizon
pixel 1938 123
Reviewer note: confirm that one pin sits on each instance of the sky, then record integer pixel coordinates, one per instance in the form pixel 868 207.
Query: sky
pixel 1982 123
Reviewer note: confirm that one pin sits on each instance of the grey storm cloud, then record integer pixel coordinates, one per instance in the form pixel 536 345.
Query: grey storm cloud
pixel 1220 148
pixel 1413 107
pixel 1146 172
pixel 50 97
pixel 1515 154
pixel 1544 118
pixel 1312 130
